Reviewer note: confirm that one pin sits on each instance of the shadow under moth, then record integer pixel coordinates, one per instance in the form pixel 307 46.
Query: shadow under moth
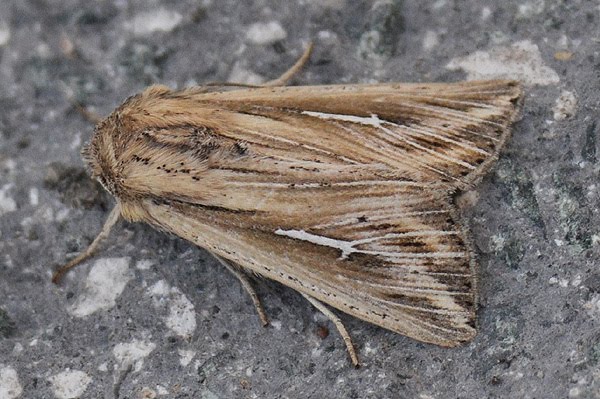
pixel 342 192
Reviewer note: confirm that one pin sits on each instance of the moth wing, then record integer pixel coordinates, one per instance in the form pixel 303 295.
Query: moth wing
pixel 435 131
pixel 390 253
pixel 442 133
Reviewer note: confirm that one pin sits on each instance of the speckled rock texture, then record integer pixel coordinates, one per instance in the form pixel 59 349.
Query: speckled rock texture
pixel 152 316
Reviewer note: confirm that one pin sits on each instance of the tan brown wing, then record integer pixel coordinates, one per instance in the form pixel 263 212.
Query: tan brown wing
pixel 428 132
pixel 388 252
pixel 446 132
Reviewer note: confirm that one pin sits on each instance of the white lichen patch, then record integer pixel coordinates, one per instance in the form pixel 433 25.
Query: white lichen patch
pixel 34 196
pixel 430 40
pixel 485 13
pixel 265 33
pixel 520 61
pixel 331 4
pixel 9 166
pixel 186 356
pixel 240 74
pixel 7 204
pixel 132 354
pixel 181 317
pixel 157 20
pixel 276 324
pixel 159 290
pixel 593 306
pixel 161 391
pixel 10 388
pixel 4 33
pixel 575 392
pixel 17 349
pixel 528 9
pixel 565 106
pixel 144 264
pixel 104 284
pixel 498 242
pixel 69 384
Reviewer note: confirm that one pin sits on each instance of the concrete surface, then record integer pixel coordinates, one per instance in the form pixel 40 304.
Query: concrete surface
pixel 152 316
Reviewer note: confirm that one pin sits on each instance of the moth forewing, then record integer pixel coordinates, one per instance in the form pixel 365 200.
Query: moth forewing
pixel 343 193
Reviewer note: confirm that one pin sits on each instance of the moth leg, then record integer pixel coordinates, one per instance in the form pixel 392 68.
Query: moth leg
pixel 248 287
pixel 339 325
pixel 287 75
pixel 112 219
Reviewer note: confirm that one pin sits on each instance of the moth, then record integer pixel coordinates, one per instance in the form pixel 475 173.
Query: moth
pixel 342 192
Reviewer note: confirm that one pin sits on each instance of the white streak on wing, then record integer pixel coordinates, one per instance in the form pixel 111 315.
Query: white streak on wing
pixel 396 183
pixel 475 105
pixel 380 182
pixel 348 247
pixel 396 255
pixel 408 234
pixel 388 153
pixel 460 115
pixel 374 121
pixel 295 143
pixel 345 246
pixel 462 129
pixel 423 148
pixel 461 144
pixel 448 312
pixel 381 215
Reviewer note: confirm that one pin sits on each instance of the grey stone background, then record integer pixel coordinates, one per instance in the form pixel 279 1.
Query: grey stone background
pixel 153 316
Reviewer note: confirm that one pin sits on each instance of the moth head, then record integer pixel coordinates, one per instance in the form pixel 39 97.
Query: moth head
pixel 99 156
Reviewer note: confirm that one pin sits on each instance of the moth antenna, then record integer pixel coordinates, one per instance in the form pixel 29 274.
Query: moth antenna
pixel 112 219
pixel 287 75
pixel 247 286
pixel 339 325
pixel 280 81
pixel 232 84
